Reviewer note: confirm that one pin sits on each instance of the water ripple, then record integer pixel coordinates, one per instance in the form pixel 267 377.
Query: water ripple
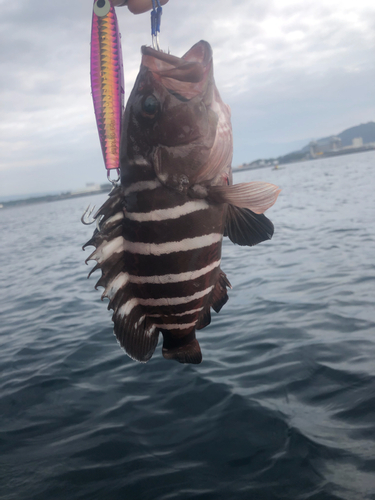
pixel 283 405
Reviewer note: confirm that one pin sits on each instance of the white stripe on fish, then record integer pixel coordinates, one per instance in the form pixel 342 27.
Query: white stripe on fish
pixel 165 279
pixel 186 313
pixel 137 187
pixel 169 213
pixel 126 308
pixel 176 326
pixel 119 244
pixel 123 278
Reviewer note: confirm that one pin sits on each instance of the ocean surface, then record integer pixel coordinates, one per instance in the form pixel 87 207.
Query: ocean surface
pixel 283 405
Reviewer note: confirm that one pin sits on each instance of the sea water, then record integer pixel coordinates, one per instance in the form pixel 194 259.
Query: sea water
pixel 283 405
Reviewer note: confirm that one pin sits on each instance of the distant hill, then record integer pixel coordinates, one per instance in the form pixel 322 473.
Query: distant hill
pixel 365 130
pixel 324 145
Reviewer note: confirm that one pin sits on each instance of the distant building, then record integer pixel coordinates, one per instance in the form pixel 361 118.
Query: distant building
pixel 335 143
pixel 91 187
pixel 313 149
pixel 357 143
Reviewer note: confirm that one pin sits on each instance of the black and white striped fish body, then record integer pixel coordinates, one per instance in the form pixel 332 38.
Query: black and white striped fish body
pixel 159 236
pixel 160 252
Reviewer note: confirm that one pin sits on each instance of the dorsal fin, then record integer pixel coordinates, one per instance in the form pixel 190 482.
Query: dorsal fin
pixel 135 333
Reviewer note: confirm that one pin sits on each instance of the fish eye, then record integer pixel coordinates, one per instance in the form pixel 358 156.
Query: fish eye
pixel 150 106
pixel 102 7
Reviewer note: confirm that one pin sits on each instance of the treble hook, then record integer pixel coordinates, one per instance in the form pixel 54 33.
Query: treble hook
pixel 85 219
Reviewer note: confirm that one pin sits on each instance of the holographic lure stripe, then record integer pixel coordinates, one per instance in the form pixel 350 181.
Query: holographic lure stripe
pixel 107 80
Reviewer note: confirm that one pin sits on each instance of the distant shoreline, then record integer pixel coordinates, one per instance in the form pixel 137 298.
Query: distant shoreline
pixel 328 154
pixel 56 197
pixel 106 188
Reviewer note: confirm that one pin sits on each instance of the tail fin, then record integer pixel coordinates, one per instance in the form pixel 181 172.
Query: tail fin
pixel 183 349
pixel 189 353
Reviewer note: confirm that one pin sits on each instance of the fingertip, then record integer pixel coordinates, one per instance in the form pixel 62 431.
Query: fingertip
pixel 119 3
pixel 141 6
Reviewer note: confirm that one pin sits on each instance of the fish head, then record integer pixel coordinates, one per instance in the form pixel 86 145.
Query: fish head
pixel 175 121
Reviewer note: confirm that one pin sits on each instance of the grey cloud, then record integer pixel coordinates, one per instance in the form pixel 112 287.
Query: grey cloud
pixel 289 71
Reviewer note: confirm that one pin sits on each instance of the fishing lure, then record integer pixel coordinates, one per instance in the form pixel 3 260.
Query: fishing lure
pixel 107 80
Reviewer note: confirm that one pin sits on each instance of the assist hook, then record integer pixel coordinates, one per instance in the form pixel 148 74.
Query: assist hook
pixel 156 13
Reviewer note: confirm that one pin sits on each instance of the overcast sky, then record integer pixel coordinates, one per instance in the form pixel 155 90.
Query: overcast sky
pixel 291 71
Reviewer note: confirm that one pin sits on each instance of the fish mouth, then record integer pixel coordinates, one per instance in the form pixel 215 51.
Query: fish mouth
pixel 186 76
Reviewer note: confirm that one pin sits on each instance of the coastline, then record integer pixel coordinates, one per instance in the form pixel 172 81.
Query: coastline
pixel 50 198
pixel 329 154
pixel 104 188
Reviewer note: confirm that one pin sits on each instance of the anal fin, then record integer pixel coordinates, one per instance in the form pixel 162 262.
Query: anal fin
pixel 219 294
pixel 204 318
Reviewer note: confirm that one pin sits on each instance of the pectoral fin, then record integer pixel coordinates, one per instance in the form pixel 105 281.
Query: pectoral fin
pixel 255 196
pixel 245 227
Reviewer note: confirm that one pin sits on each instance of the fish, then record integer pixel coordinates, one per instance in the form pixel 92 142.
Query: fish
pixel 159 234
